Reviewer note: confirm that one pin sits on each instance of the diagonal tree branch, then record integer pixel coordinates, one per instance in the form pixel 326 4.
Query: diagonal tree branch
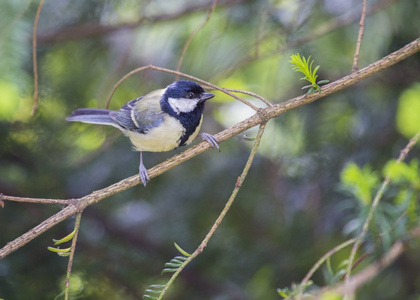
pixel 261 116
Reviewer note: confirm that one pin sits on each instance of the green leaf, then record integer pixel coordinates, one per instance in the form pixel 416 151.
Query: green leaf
pixel 183 252
pixel 329 268
pixel 312 90
pixel 343 264
pixel 249 139
pixel 173 265
pixel 323 81
pixel 283 293
pixel 183 258
pixel 176 261
pixel 153 291
pixel 59 250
pixel 314 72
pixel 169 270
pixel 65 239
pixel 157 286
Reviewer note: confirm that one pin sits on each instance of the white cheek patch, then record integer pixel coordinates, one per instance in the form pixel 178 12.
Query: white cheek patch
pixel 182 105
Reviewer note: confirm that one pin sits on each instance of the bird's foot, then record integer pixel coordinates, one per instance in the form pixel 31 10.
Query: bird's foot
pixel 211 139
pixel 144 176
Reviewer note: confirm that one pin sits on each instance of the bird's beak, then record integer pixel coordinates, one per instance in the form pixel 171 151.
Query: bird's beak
pixel 206 96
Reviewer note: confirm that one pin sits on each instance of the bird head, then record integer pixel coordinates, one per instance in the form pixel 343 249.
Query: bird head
pixel 185 96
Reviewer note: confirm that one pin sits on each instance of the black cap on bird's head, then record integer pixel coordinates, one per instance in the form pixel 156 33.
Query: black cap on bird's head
pixel 185 89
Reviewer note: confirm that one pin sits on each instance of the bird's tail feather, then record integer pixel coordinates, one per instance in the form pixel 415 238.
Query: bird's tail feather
pixel 92 116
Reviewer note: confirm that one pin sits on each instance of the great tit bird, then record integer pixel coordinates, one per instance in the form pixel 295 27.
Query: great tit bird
pixel 160 121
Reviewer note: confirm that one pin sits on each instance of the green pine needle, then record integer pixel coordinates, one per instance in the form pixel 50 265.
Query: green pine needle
pixel 182 251
pixel 65 239
pixel 304 66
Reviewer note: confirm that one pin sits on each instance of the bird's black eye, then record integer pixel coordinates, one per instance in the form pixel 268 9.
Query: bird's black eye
pixel 189 95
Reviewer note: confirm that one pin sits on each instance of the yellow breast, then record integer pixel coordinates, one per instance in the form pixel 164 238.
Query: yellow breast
pixel 165 137
pixel 162 138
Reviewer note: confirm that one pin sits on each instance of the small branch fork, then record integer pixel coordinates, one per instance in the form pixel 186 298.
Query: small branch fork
pixel 74 206
pixel 219 220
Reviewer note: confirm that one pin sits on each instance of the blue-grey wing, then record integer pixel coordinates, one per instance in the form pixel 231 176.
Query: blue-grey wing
pixel 123 116
pixel 140 114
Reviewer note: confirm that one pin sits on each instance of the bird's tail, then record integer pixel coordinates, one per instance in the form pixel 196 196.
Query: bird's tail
pixel 91 116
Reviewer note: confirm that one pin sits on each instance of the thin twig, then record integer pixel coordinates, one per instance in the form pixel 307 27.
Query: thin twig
pixel 252 95
pixel 216 224
pixel 152 67
pixel 238 185
pixel 350 286
pixel 359 38
pixel 323 259
pixel 190 38
pixel 34 57
pixel 71 257
pixel 376 200
pixel 36 200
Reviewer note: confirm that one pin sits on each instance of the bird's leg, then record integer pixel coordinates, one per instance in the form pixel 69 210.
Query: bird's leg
pixel 211 139
pixel 142 171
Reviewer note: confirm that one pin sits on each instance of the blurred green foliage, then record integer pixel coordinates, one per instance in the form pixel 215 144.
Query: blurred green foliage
pixel 292 207
pixel 361 182
pixel 408 111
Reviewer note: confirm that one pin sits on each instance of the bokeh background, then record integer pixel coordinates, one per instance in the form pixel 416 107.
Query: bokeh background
pixel 292 208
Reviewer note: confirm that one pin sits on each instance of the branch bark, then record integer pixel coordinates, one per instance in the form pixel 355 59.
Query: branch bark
pixel 261 116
